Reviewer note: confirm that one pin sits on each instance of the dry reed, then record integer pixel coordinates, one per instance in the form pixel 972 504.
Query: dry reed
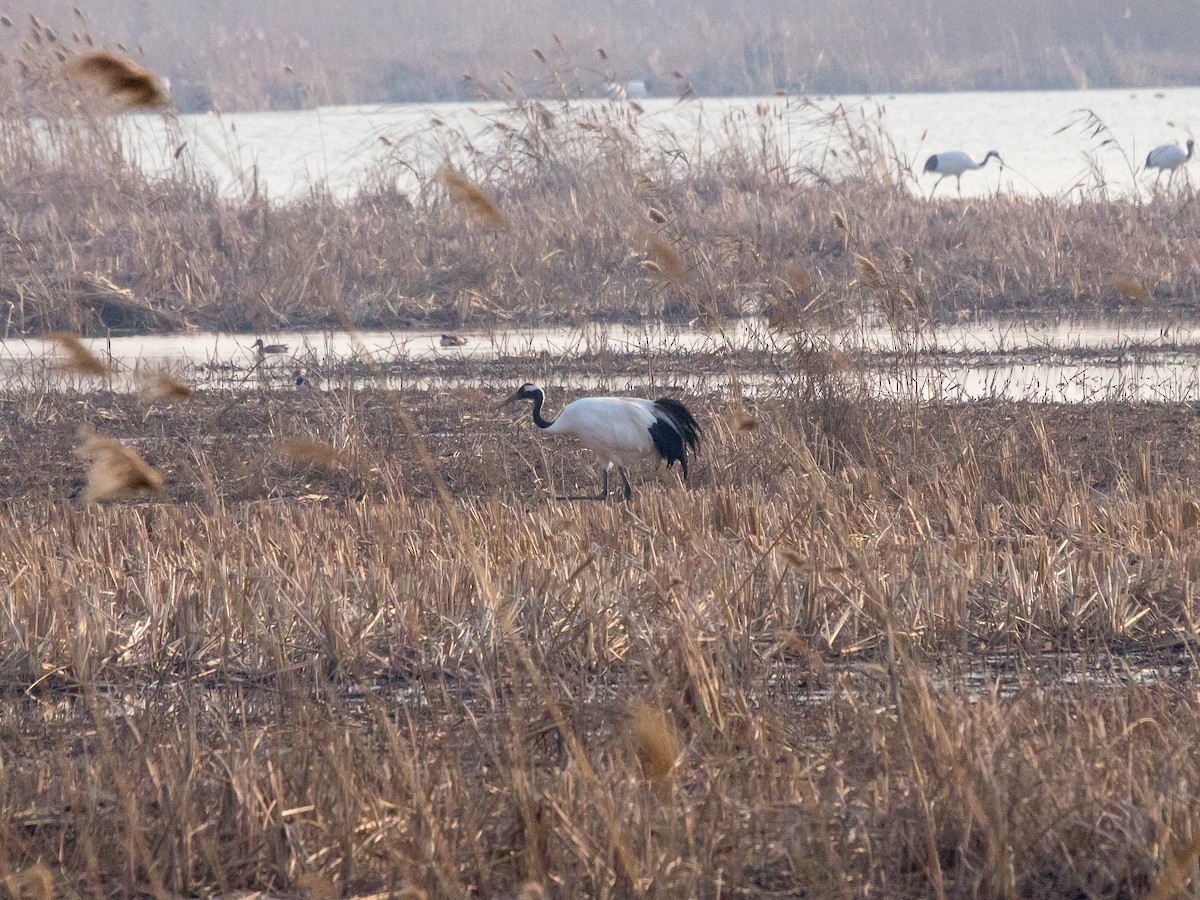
pixel 79 358
pixel 312 452
pixel 475 199
pixel 121 79
pixel 116 472
pixel 666 260
pixel 163 387
pixel 1131 289
pixel 655 740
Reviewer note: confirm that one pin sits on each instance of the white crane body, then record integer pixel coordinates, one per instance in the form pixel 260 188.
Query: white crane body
pixel 955 163
pixel 1168 158
pixel 621 430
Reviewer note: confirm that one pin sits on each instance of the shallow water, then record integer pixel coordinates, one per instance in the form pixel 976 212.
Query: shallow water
pixel 1056 362
pixel 215 349
pixel 1037 133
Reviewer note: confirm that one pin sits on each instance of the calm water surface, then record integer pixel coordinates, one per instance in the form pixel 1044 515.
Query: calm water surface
pixel 1058 362
pixel 1038 133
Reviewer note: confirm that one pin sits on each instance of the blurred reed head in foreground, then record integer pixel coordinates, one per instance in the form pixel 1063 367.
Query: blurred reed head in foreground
pixel 131 85
pixel 116 472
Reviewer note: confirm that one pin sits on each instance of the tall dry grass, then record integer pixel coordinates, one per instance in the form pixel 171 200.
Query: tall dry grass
pixel 603 222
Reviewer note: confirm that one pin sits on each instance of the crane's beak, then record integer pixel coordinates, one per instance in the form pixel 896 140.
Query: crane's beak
pixel 513 398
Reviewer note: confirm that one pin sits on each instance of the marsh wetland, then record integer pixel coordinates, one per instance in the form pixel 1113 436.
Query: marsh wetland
pixel 892 638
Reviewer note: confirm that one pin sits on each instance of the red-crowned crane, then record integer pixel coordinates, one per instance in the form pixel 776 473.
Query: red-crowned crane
pixel 1168 158
pixel 955 162
pixel 620 430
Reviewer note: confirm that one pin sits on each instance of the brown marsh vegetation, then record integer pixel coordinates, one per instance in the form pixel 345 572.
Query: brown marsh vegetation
pixel 348 647
pixel 602 223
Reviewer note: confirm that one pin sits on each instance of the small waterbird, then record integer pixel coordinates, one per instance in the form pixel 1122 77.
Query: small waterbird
pixel 300 381
pixel 1168 158
pixel 955 163
pixel 452 340
pixel 620 430
pixel 268 349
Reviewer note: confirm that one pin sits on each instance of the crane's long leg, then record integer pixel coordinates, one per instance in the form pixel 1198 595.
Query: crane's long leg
pixel 935 186
pixel 602 495
pixel 628 486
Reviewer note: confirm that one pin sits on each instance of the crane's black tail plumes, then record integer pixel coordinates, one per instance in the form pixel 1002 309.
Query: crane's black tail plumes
pixel 674 432
pixel 931 164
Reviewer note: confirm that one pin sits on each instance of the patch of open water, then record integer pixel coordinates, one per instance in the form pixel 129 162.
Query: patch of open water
pixel 1056 362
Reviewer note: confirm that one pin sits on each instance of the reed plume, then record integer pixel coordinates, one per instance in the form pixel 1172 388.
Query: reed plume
pixel 160 386
pixel 117 472
pixel 1177 872
pixel 1130 288
pixel 868 272
pixel 655 740
pixel 313 453
pixel 792 557
pixel 79 358
pixel 121 79
pixel 670 264
pixel 741 421
pixel 477 201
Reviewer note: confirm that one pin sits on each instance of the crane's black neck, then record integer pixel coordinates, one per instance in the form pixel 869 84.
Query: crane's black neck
pixel 538 399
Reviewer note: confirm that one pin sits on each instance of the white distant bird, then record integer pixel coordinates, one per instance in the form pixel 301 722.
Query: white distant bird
pixel 955 162
pixel 620 430
pixel 630 90
pixel 1169 157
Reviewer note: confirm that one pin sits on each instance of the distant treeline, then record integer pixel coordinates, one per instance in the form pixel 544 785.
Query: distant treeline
pixel 286 54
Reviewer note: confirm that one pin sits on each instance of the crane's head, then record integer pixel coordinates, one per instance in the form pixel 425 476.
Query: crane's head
pixel 527 391
pixel 992 153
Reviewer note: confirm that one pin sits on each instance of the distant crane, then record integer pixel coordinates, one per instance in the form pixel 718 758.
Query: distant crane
pixel 955 162
pixel 620 430
pixel 1169 157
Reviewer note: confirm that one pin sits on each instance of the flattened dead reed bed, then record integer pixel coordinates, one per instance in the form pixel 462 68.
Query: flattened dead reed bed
pixel 300 677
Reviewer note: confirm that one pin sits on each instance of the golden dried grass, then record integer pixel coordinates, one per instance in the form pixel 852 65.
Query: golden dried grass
pixel 79 358
pixel 116 472
pixel 121 79
pixel 478 202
